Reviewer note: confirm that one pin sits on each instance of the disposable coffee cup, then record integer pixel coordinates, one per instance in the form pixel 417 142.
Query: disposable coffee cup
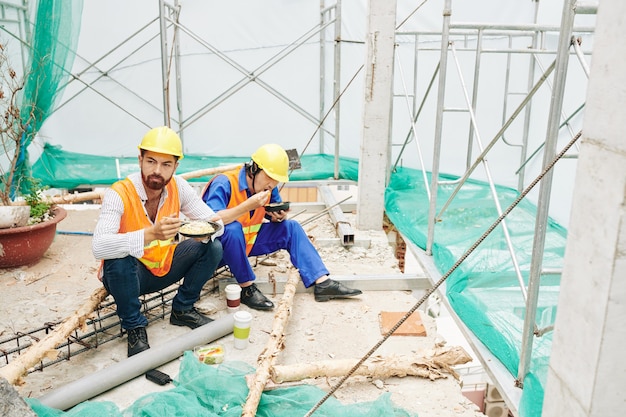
pixel 241 329
pixel 233 296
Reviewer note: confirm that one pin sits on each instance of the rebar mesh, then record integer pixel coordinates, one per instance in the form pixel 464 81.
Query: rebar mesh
pixel 102 328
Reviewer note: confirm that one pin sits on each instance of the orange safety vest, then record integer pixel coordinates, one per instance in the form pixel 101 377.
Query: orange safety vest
pixel 250 224
pixel 158 254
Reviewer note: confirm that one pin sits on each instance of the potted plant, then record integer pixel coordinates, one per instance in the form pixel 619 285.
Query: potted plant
pixel 28 228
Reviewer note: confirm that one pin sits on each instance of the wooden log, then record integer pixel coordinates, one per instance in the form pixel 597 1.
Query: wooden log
pixel 77 197
pixel 14 371
pixel 433 365
pixel 208 171
pixel 67 198
pixel 275 344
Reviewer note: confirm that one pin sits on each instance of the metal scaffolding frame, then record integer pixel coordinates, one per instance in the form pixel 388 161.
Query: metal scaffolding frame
pixel 453 39
pixel 16 14
pixel 169 32
pixel 459 33
pixel 169 18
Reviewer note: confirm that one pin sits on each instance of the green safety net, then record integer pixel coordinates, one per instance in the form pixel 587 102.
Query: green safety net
pixel 221 391
pixel 57 168
pixel 51 56
pixel 484 290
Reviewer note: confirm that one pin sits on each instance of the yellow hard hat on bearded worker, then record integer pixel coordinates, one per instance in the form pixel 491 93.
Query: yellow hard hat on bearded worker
pixel 273 159
pixel 162 140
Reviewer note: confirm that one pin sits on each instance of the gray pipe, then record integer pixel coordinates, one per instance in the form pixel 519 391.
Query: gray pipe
pixel 90 386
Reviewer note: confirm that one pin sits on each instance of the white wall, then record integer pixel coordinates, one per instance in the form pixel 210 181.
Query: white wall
pixel 587 373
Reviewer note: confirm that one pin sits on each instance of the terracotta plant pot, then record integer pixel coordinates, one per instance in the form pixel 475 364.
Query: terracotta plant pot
pixel 27 244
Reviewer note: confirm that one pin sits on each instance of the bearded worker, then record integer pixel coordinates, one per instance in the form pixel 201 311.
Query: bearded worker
pixel 134 238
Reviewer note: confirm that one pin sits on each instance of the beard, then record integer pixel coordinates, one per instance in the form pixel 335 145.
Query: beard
pixel 155 182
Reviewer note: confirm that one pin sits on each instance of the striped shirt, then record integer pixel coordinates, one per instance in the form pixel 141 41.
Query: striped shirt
pixel 108 243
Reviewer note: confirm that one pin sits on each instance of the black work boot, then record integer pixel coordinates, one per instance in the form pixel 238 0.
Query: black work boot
pixel 254 298
pixel 331 289
pixel 190 318
pixel 137 341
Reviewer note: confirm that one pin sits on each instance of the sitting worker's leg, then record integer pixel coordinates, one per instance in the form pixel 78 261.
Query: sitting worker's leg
pixel 195 262
pixel 121 279
pixel 290 235
pixel 236 258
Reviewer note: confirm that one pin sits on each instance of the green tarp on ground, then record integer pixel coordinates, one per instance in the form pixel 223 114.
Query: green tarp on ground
pixel 221 391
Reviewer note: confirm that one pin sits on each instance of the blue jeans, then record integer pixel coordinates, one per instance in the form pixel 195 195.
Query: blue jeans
pixel 127 278
pixel 287 235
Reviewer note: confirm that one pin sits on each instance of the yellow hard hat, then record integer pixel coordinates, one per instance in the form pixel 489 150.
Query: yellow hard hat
pixel 162 140
pixel 274 161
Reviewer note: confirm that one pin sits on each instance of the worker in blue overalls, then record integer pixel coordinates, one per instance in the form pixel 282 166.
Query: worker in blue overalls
pixel 239 197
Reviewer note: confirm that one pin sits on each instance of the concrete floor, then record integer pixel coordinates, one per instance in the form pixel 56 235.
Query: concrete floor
pixel 316 331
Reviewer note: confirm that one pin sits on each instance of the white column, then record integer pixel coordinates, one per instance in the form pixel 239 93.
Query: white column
pixel 375 143
pixel 587 372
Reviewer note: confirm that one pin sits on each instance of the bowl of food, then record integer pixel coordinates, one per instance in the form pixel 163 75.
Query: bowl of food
pixel 273 207
pixel 199 228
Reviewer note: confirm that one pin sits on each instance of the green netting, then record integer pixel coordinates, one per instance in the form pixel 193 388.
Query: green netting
pixel 484 290
pixel 57 168
pixel 52 52
pixel 212 391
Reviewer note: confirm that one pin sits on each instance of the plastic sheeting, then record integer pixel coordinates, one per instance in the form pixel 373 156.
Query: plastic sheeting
pixel 212 391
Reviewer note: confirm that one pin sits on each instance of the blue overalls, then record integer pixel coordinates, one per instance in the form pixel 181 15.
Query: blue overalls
pixel 272 236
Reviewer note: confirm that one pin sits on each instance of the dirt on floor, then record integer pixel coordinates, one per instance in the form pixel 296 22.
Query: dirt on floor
pixel 63 280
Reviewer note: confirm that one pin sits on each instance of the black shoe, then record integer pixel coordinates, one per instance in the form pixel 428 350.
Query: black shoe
pixel 137 341
pixel 334 290
pixel 190 318
pixel 254 298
